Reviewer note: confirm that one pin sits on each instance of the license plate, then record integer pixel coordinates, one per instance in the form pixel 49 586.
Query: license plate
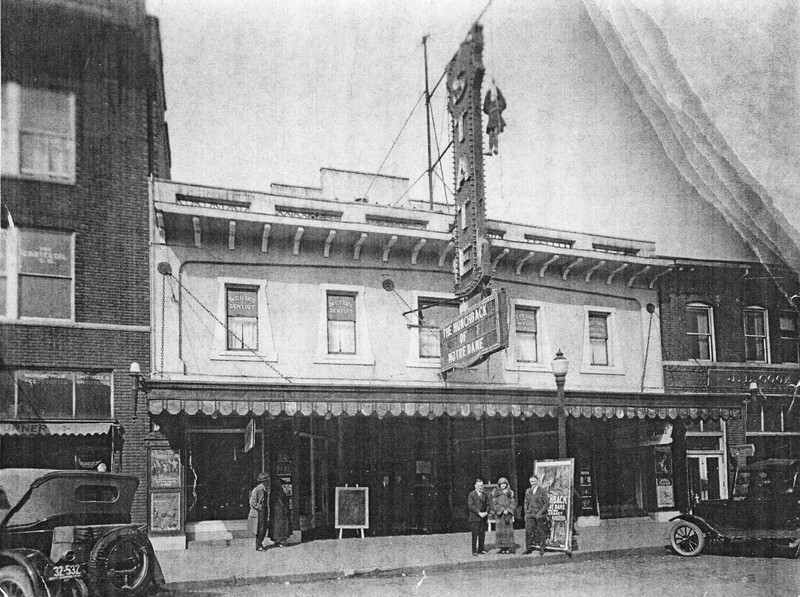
pixel 59 571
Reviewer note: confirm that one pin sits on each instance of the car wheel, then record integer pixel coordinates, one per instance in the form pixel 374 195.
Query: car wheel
pixel 120 564
pixel 14 582
pixel 687 538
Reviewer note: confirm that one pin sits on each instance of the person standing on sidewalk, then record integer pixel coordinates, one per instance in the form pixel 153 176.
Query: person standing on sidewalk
pixel 258 519
pixel 478 506
pixel 504 504
pixel 537 501
pixel 280 515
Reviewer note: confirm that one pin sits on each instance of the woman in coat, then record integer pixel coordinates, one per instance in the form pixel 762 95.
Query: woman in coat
pixel 504 504
pixel 280 520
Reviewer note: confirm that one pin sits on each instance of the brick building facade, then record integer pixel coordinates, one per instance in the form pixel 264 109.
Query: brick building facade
pixel 83 128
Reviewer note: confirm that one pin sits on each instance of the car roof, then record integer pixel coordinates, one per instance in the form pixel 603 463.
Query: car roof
pixel 15 482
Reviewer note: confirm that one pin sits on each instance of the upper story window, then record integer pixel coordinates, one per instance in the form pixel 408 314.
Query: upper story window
pixel 341 323
pixel 700 332
pixel 434 314
pixel 37 274
pixel 773 417
pixel 788 344
pixel 526 329
pixel 242 318
pixel 598 338
pixel 38 133
pixel 755 334
pixel 57 395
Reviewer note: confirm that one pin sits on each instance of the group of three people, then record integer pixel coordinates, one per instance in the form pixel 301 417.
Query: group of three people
pixel 504 504
pixel 269 512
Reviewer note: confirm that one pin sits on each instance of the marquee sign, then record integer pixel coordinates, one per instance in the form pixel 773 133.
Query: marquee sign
pixel 475 334
pixel 472 264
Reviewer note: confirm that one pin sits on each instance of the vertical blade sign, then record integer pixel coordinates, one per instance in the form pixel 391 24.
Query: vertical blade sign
pixel 472 262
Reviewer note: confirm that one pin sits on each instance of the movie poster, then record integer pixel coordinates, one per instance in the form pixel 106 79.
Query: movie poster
pixel 557 477
pixel 665 495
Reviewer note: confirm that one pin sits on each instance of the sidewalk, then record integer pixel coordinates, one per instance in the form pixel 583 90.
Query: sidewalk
pixel 204 566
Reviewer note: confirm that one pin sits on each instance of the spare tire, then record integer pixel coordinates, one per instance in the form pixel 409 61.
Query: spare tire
pixel 120 563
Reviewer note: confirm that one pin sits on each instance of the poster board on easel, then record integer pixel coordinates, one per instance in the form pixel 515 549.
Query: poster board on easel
pixel 352 509
pixel 557 476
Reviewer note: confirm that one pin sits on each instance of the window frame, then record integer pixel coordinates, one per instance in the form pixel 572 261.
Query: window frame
pixel 542 338
pixel 615 365
pixel 353 322
pixel 13 239
pixel 73 373
pixel 363 354
pixel 764 338
pixel 266 342
pixel 238 288
pixel 711 343
pixel 793 340
pixel 13 131
pixel 413 358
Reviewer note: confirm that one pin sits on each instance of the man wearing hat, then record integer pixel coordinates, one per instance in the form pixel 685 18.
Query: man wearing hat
pixel 258 519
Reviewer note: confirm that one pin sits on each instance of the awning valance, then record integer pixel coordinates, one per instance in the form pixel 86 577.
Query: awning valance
pixel 429 409
pixel 44 428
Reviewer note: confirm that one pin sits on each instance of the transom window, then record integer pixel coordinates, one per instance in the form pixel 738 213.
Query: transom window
pixel 242 318
pixel 788 339
pixel 341 310
pixel 56 395
pixel 775 417
pixel 700 332
pixel 38 133
pixel 755 334
pixel 526 328
pixel 598 338
pixel 433 314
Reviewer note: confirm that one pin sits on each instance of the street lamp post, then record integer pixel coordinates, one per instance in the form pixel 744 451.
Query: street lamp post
pixel 560 366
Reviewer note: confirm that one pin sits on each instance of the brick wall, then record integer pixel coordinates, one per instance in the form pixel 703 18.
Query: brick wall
pixel 106 62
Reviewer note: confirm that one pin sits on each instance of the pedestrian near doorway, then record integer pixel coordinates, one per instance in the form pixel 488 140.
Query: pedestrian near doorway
pixel 280 515
pixel 383 506
pixel 478 506
pixel 504 504
pixel 258 519
pixel 537 501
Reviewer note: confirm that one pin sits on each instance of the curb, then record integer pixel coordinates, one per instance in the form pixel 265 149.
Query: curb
pixel 517 562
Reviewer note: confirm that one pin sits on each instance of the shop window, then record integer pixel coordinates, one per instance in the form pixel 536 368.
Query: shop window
pixel 341 323
pixel 45 274
pixel 788 339
pixel 60 395
pixel 38 134
pixel 700 332
pixel 433 315
pixel 598 338
pixel 526 329
pixel 242 318
pixel 755 334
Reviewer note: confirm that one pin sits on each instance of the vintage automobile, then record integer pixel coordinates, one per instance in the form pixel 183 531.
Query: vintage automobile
pixel 69 533
pixel 761 518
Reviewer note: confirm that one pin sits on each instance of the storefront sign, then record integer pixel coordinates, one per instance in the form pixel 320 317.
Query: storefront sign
pixel 665 493
pixel 557 477
pixel 475 334
pixel 45 253
pixel 769 382
pixel 341 308
pixel 739 450
pixel 352 508
pixel 242 303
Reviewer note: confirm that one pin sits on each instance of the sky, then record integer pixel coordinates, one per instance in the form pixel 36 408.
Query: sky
pixel 263 91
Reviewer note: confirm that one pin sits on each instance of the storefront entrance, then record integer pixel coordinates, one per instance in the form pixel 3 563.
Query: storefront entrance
pixel 707 479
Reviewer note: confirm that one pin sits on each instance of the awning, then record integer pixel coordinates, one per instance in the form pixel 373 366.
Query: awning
pixel 428 409
pixel 43 428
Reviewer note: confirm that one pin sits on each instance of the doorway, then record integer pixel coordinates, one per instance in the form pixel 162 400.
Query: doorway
pixel 707 479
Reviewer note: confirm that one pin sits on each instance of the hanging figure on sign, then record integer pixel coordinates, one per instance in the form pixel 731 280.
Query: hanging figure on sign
pixel 493 105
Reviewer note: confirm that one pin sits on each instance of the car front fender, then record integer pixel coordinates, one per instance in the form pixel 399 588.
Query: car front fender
pixel 32 561
pixel 704 525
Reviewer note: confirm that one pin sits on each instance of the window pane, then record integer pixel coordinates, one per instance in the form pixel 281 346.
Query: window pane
pixel 754 323
pixel 754 349
pixel 44 394
pixel 753 417
pixel 341 307
pixel 433 318
pixel 429 343
pixel 45 111
pixel 341 337
pixel 242 313
pixel 700 348
pixel 93 395
pixel 527 351
pixel 772 417
pixel 525 319
pixel 34 154
pixel 597 325
pixel 599 352
pixel 45 297
pixel 698 320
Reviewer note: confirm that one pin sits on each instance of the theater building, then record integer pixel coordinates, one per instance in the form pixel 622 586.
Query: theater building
pixel 296 331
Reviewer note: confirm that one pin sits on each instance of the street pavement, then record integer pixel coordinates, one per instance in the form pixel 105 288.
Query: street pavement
pixel 216 565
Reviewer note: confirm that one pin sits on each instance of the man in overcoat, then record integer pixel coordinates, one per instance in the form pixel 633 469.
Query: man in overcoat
pixel 478 506
pixel 537 501
pixel 258 519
